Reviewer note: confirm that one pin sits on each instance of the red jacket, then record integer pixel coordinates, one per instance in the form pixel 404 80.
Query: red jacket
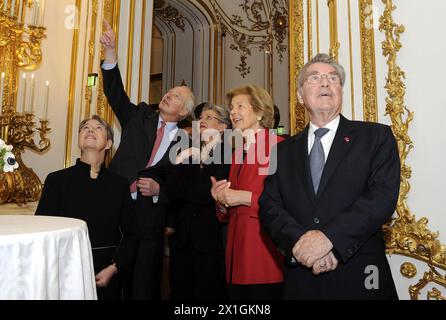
pixel 251 256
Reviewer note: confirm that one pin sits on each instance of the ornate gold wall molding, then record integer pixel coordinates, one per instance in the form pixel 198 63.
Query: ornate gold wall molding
pixel 370 102
pixel 350 49
pixel 130 44
pixel 111 13
pixel 406 236
pixel 169 14
pixel 142 50
pixel 91 54
pixel 72 92
pixel 310 29
pixel 432 276
pixel 334 39
pixel 297 110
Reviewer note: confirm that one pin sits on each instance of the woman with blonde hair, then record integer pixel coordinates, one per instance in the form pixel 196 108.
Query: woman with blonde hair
pixel 253 264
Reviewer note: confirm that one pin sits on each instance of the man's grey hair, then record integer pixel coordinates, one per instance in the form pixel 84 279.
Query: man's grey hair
pixel 320 58
pixel 189 103
pixel 107 127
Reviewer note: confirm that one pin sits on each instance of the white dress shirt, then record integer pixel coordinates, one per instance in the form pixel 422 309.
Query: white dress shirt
pixel 169 134
pixel 327 139
pixel 108 66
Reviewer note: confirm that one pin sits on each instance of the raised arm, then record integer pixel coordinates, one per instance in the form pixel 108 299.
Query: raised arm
pixel 113 86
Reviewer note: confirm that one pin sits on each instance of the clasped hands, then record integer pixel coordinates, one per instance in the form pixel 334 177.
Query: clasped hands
pixel 148 187
pixel 314 250
pixel 221 192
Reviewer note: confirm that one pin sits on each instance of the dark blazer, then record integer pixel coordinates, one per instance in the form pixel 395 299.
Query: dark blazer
pixel 139 126
pixel 358 193
pixel 193 208
pixel 105 205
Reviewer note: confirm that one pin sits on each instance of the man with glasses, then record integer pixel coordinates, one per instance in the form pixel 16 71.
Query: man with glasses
pixel 336 184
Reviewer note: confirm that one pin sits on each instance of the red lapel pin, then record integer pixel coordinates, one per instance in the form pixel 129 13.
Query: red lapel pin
pixel 346 139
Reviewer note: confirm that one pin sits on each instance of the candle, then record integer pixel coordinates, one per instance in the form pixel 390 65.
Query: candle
pixel 23 104
pixel 42 13
pixel 36 12
pixel 19 16
pixel 47 97
pixel 12 8
pixel 2 85
pixel 31 96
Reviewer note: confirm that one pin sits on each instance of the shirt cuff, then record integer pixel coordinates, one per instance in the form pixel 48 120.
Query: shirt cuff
pixel 108 66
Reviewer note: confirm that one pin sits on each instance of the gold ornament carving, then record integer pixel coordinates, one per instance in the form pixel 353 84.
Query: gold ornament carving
pixel 368 61
pixel 297 110
pixel 405 235
pixel 20 49
pixel 169 14
pixel 408 270
pixel 435 294
pixel 102 108
pixel 334 41
pixel 432 276
pixel 265 22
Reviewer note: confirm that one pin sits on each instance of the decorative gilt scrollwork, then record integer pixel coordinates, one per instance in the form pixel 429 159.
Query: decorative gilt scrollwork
pixel 169 14
pixel 435 294
pixel 408 270
pixel 20 49
pixel 334 41
pixel 297 110
pixel 368 61
pixel 265 22
pixel 406 235
pixel 432 276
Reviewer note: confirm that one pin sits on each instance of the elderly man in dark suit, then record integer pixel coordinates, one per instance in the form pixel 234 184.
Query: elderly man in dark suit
pixel 336 184
pixel 143 158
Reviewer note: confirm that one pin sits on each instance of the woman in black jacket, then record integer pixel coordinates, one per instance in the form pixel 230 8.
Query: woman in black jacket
pixel 196 239
pixel 90 192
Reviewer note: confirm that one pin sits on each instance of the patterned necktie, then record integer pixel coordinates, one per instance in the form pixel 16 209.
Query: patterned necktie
pixel 317 158
pixel 159 138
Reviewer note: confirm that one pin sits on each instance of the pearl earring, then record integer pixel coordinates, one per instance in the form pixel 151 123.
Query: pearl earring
pixel 259 118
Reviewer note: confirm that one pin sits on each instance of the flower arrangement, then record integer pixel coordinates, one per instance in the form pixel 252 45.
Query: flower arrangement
pixel 7 159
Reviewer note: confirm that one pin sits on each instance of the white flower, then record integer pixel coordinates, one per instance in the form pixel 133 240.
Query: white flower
pixel 10 164
pixel 2 144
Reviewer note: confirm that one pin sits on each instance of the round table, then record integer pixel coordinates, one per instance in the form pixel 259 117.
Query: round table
pixel 45 258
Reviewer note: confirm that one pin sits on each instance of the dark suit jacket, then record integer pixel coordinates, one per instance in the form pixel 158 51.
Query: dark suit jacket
pixel 358 193
pixel 139 126
pixel 193 208
pixel 105 205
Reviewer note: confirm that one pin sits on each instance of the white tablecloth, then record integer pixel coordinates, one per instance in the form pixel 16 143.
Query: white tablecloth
pixel 45 258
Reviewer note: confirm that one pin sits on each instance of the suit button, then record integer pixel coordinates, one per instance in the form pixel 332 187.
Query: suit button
pixel 316 220
pixel 194 215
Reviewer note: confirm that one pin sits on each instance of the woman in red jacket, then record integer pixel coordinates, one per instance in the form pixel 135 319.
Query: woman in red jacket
pixel 253 263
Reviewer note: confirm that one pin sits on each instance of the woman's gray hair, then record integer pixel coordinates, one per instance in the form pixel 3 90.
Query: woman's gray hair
pixel 320 58
pixel 108 128
pixel 222 112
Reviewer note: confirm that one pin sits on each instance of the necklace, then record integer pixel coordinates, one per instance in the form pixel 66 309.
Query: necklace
pixel 94 171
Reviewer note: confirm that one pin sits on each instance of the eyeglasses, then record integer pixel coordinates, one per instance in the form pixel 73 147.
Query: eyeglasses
pixel 209 118
pixel 315 78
